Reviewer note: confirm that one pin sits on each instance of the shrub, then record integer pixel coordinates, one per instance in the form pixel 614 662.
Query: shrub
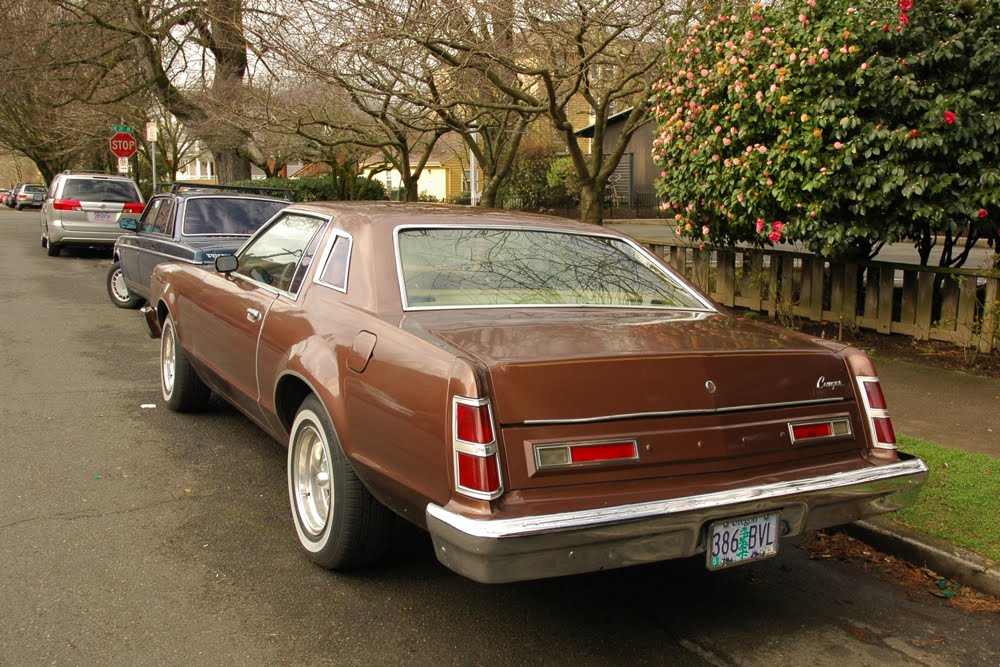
pixel 844 126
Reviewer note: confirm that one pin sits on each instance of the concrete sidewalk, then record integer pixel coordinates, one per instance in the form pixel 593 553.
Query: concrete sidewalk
pixel 949 408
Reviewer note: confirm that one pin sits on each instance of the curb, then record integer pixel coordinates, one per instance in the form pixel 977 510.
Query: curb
pixel 966 567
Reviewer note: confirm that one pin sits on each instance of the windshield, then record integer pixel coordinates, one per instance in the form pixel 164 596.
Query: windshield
pixel 228 215
pixel 515 267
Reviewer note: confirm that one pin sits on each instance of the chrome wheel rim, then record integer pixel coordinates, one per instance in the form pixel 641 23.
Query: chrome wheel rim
pixel 168 360
pixel 312 483
pixel 118 287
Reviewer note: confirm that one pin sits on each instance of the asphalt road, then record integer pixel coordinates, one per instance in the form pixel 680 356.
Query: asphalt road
pixel 132 535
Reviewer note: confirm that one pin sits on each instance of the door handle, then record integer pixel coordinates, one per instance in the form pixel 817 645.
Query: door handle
pixel 253 314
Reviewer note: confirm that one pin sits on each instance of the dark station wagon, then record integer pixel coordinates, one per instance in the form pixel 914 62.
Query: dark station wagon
pixel 544 397
pixel 191 223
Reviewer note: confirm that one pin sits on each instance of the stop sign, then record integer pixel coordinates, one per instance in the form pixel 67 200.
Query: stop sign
pixel 123 144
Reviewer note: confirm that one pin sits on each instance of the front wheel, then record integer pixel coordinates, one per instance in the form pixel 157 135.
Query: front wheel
pixel 118 291
pixel 181 387
pixel 339 523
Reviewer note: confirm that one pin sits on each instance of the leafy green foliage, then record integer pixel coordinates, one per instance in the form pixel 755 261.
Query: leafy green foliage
pixel 840 125
pixel 531 183
pixel 318 188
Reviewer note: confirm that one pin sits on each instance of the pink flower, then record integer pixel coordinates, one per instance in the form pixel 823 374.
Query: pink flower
pixel 904 19
pixel 726 141
pixel 837 145
pixel 769 181
pixel 761 149
pixel 718 128
pixel 760 225
pixel 949 117
pixel 715 157
pixel 864 66
pixel 778 226
pixel 905 5
pixel 774 237
pixel 982 213
pixel 663 174
pixel 803 19
pixel 705 230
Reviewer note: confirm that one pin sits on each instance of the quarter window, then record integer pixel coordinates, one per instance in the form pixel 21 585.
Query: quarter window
pixel 335 271
pixel 271 258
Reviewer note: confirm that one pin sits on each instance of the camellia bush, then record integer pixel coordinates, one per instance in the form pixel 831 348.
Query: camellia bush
pixel 840 125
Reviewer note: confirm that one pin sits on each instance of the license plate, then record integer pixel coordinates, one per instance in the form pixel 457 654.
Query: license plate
pixel 102 217
pixel 39 197
pixel 742 540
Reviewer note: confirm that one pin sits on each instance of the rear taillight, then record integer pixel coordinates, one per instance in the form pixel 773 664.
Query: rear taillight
pixel 818 430
pixel 586 453
pixel 477 462
pixel 66 205
pixel 877 413
pixel 137 207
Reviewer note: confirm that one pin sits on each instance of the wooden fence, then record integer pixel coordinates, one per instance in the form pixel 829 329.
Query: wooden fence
pixel 961 306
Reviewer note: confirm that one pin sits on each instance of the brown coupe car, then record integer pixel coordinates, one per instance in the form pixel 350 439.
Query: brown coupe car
pixel 544 397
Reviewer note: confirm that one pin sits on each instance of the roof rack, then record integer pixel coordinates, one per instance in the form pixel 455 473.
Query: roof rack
pixel 283 193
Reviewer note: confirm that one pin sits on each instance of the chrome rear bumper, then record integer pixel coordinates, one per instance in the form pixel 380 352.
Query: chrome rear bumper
pixel 533 547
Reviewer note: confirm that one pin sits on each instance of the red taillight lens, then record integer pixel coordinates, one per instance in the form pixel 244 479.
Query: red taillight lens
pixel 884 434
pixel 66 205
pixel 137 207
pixel 478 473
pixel 473 423
pixel 803 431
pixel 876 400
pixel 604 452
pixel 477 461
pixel 878 413
pixel 569 454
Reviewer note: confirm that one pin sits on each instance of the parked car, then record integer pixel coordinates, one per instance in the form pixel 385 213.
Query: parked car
pixel 544 397
pixel 28 195
pixel 82 209
pixel 8 198
pixel 188 223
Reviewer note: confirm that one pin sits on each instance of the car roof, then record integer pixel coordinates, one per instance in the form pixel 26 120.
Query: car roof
pixel 394 214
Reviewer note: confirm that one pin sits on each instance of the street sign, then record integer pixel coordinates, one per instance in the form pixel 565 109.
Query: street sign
pixel 151 131
pixel 123 128
pixel 123 165
pixel 123 144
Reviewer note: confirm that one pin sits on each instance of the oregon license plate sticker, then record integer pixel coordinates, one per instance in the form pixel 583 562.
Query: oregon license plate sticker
pixel 102 217
pixel 736 541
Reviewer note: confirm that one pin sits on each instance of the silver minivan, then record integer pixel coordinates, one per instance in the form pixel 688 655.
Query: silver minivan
pixel 82 209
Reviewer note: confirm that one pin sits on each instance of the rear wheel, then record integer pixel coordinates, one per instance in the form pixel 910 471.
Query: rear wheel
pixel 53 248
pixel 181 387
pixel 339 523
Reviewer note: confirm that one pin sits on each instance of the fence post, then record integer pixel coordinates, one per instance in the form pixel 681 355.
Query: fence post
pixel 991 315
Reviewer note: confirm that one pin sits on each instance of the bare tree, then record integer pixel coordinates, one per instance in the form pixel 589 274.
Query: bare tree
pixel 193 57
pixel 547 57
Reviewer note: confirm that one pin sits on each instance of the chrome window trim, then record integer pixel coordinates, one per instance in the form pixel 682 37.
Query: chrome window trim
pixel 871 413
pixel 294 297
pixel 538 449
pixel 820 438
pixel 582 519
pixel 679 413
pixel 656 261
pixel 189 198
pixel 327 250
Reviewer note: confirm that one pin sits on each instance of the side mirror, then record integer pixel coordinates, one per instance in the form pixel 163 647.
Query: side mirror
pixel 129 221
pixel 226 263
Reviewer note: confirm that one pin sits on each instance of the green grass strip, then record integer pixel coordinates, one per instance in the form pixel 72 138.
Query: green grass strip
pixel 960 502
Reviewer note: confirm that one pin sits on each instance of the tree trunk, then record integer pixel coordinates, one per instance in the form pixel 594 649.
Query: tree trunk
pixel 230 167
pixel 591 206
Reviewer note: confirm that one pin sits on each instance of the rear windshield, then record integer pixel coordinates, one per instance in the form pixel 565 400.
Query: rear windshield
pixel 87 189
pixel 34 188
pixel 515 267
pixel 220 215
